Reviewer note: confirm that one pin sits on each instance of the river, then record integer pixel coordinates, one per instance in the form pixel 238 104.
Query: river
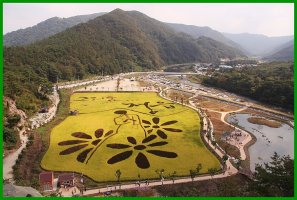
pixel 269 140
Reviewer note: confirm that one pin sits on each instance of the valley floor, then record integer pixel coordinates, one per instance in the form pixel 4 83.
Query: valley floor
pixel 154 84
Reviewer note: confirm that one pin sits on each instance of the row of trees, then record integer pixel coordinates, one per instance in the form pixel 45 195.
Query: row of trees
pixel 160 172
pixel 275 178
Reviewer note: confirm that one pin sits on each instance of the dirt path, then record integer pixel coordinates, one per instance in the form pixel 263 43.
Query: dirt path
pixel 248 137
pixel 246 140
pixel 68 193
pixel 10 160
pixel 36 121
pixel 230 170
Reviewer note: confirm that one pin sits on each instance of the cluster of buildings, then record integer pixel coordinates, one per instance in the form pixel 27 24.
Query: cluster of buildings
pixel 49 183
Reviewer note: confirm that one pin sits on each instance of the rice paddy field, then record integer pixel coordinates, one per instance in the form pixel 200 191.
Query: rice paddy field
pixel 137 133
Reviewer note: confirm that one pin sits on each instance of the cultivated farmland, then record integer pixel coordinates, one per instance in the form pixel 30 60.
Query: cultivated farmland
pixel 137 133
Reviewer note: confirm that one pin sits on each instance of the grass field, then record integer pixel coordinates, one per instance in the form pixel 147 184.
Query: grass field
pixel 136 133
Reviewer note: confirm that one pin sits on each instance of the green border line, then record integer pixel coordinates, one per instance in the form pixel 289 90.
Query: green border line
pixel 144 1
pixel 1 98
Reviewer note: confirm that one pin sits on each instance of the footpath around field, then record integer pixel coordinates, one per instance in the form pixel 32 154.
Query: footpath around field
pixel 9 161
pixel 230 170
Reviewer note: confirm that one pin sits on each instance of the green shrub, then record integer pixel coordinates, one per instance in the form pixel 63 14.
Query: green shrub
pixel 13 120
pixel 10 136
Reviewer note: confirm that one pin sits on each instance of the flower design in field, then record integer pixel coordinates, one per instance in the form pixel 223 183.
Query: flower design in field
pixel 141 149
pixel 160 128
pixel 85 142
pixel 151 107
pixel 165 105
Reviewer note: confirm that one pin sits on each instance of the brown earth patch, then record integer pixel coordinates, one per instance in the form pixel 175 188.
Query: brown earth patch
pixel 179 95
pixel 219 128
pixel 216 105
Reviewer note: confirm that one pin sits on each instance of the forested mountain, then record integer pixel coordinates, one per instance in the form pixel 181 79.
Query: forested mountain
pixel 44 29
pixel 256 44
pixel 116 42
pixel 112 43
pixel 283 53
pixel 197 31
pixel 221 50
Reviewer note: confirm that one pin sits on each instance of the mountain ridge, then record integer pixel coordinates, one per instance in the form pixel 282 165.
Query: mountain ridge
pixel 112 43
pixel 29 35
pixel 284 52
pixel 44 29
pixel 137 36
pixel 257 44
pixel 198 31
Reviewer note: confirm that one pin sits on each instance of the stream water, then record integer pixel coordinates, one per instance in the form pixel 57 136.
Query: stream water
pixel 269 140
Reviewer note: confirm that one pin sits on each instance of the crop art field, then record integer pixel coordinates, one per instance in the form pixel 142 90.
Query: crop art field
pixel 137 133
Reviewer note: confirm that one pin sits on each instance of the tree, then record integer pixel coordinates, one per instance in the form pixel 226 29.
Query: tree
pixel 212 171
pixel 118 174
pixel 160 172
pixel 10 136
pixel 275 178
pixel 13 120
pixel 172 176
pixel 225 158
pixel 213 142
pixel 193 174
pixel 118 84
pixel 198 168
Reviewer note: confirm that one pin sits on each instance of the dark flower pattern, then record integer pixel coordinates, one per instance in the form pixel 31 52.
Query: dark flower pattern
pixel 154 125
pixel 84 141
pixel 141 149
pixel 150 106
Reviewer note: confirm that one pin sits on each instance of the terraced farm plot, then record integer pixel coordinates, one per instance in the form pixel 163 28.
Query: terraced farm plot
pixel 137 133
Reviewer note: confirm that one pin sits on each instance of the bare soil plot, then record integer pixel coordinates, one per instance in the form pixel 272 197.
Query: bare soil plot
pixel 179 96
pixel 216 105
pixel 220 128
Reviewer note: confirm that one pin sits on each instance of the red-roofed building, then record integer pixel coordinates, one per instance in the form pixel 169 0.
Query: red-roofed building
pixel 66 179
pixel 46 180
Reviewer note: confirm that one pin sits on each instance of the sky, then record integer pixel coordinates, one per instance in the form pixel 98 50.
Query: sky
pixel 273 19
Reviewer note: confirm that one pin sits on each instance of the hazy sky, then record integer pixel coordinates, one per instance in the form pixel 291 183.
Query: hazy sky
pixel 268 19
